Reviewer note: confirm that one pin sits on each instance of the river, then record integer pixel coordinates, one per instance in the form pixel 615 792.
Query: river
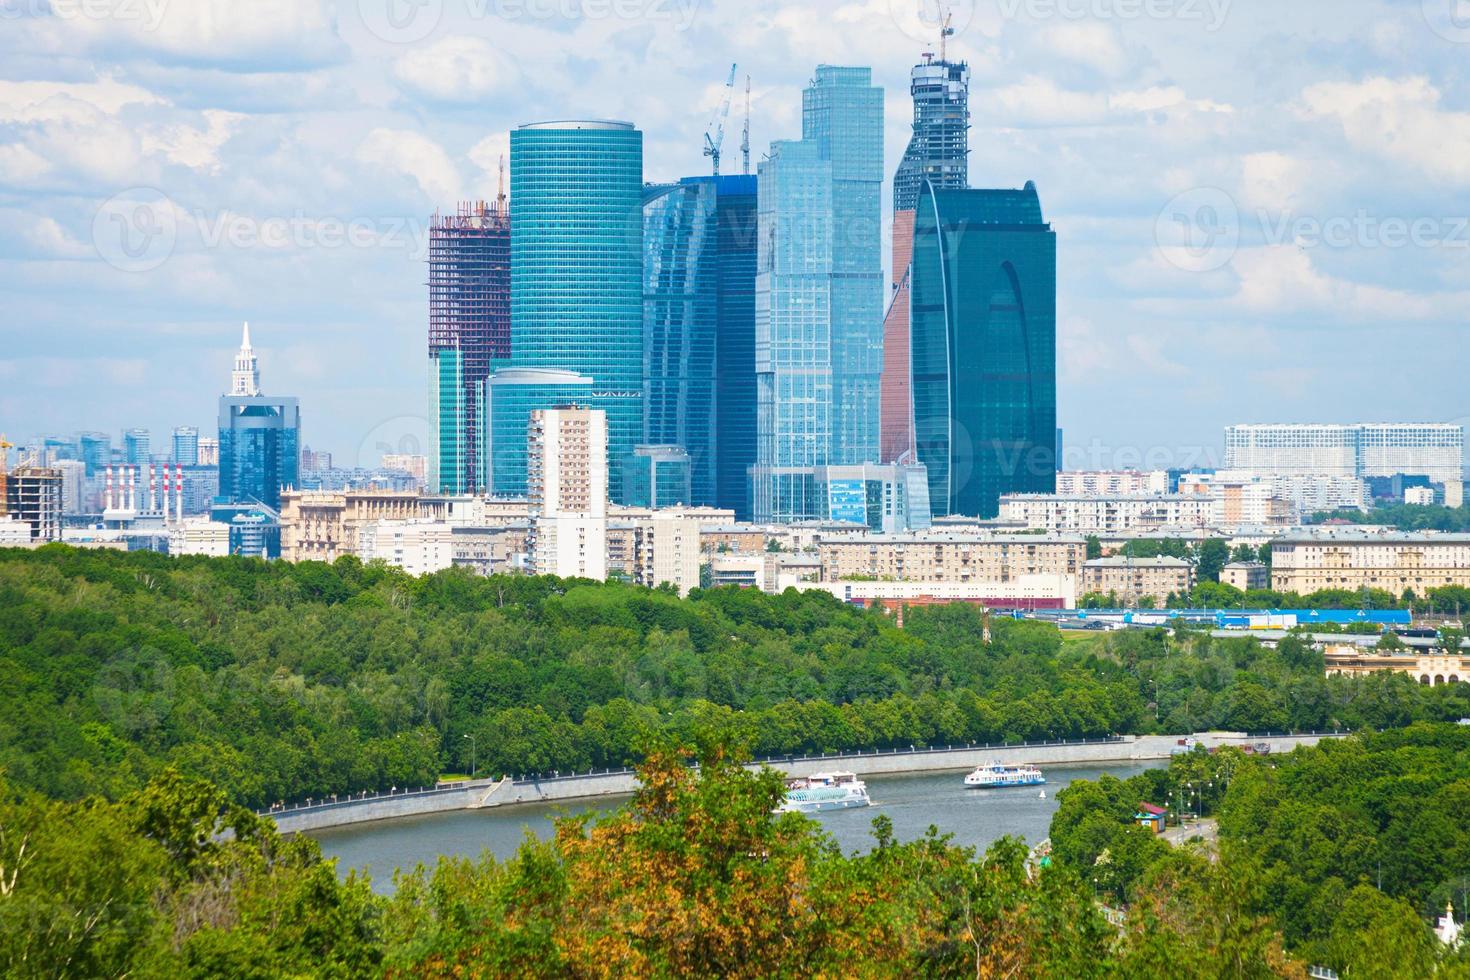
pixel 913 802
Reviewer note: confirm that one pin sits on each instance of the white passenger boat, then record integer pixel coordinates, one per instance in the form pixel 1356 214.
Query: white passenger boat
pixel 824 791
pixel 997 776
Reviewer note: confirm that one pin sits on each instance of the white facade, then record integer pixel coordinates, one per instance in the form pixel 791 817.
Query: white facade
pixel 1433 450
pixel 14 533
pixel 566 482
pixel 1073 483
pixel 1419 496
pixel 199 536
pixel 418 547
pixel 1023 590
pixel 73 485
pixel 668 552
pixel 1107 513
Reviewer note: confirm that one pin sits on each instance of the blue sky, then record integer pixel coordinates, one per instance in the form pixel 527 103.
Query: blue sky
pixel 1261 207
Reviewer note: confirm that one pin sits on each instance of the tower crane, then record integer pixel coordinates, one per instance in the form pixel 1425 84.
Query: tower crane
pixel 712 143
pixel 945 32
pixel 745 134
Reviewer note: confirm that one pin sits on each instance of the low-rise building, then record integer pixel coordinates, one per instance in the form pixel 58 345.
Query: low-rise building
pixel 949 558
pixel 1430 668
pixel 419 547
pixel 1107 513
pixel 1246 575
pixel 323 526
pixel 199 536
pixel 1089 483
pixel 1023 592
pixel 14 533
pixel 1134 579
pixel 1355 560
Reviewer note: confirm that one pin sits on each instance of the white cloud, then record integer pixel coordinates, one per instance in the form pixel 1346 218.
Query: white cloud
pixel 1093 44
pixel 192 147
pixel 1398 120
pixel 38 101
pixel 1274 181
pixel 413 155
pixel 457 69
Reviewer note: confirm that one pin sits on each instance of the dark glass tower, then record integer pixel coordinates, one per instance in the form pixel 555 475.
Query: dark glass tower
pixel 984 346
pixel 699 330
pixel 259 437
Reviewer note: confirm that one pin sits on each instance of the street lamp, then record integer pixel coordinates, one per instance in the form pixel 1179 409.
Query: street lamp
pixel 472 755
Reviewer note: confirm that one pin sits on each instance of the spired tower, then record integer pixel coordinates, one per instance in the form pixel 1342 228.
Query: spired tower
pixel 245 378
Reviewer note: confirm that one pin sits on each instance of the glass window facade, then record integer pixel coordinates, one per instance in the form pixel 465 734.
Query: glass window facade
pixel 819 294
pixel 983 332
pixel 576 281
pixel 699 331
pixel 259 448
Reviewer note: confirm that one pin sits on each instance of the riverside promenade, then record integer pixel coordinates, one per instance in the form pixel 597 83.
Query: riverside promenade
pixel 551 788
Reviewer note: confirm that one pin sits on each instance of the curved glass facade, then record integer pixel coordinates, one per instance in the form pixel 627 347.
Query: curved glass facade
pixel 576 282
pixel 983 333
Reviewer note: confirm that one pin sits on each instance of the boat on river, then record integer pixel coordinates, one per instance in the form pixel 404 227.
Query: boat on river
pixel 824 791
pixel 998 776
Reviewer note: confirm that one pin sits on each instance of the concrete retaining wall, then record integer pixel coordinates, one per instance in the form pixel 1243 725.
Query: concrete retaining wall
pixel 507 792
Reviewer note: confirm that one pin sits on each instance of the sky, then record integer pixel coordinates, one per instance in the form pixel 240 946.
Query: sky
pixel 1262 208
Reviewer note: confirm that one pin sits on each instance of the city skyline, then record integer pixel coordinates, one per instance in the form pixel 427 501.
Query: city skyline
pixel 1282 319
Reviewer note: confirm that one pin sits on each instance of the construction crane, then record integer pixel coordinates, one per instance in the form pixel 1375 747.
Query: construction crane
pixel 5 445
pixel 745 135
pixel 716 125
pixel 945 32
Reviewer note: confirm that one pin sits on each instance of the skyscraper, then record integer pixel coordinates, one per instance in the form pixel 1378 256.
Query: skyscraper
pixel 469 330
pixel 984 347
pixel 136 446
pixel 699 331
pixel 96 451
pixel 186 445
pixel 938 152
pixel 819 294
pixel 576 273
pixel 259 437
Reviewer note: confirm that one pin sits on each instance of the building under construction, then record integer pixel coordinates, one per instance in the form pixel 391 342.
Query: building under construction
pixel 938 152
pixel 33 494
pixel 469 330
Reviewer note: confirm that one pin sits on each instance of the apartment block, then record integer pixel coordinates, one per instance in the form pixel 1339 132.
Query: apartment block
pixel 1107 513
pixel 1133 579
pixel 950 558
pixel 1355 560
pixel 320 526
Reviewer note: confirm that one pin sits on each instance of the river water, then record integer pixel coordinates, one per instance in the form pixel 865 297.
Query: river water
pixel 975 818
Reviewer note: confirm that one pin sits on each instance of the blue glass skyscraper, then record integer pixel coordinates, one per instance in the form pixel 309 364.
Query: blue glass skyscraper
pixel 699 331
pixel 819 294
pixel 259 438
pixel 576 282
pixel 984 328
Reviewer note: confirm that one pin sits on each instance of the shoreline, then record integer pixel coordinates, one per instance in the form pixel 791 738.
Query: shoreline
pixel 511 792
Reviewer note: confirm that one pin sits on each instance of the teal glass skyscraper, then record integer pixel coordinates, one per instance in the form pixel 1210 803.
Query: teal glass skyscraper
pixel 819 294
pixel 984 329
pixel 576 281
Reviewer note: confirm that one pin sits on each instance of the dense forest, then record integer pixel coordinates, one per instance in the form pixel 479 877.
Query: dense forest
pixel 694 878
pixel 276 681
pixel 1350 848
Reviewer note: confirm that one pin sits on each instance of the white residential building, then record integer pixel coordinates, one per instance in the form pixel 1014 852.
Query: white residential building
pixel 418 547
pixel 14 533
pixel 1073 483
pixel 1433 450
pixel 1107 513
pixel 199 536
pixel 566 482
